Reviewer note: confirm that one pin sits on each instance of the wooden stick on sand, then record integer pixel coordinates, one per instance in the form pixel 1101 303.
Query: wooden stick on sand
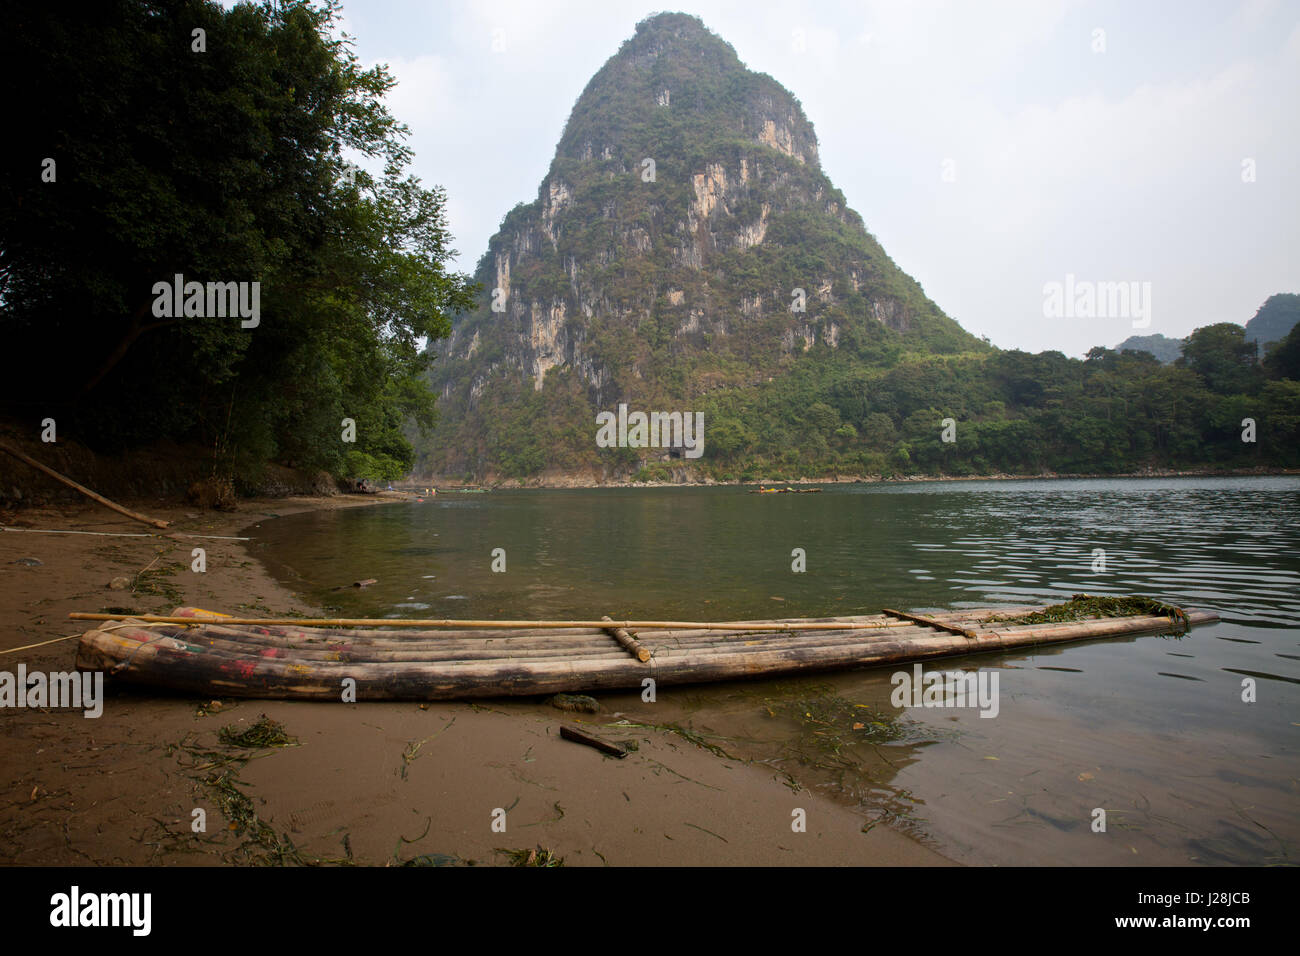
pixel 591 740
pixel 27 459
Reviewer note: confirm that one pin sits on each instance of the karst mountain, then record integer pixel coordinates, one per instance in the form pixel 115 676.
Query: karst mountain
pixel 685 252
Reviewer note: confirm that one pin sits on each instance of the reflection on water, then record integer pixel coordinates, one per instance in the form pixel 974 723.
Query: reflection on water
pixel 1152 730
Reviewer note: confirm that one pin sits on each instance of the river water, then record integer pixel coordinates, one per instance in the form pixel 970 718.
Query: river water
pixel 1152 730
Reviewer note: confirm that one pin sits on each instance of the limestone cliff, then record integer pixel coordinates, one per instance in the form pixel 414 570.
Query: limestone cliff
pixel 684 248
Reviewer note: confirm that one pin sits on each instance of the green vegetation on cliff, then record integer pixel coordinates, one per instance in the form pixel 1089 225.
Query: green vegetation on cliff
pixel 1015 412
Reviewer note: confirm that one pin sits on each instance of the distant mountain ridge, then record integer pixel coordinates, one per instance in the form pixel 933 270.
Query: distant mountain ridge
pixel 1271 323
pixel 1275 319
pixel 1164 348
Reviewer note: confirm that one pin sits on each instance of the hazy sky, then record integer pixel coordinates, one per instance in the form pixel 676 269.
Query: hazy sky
pixel 1112 157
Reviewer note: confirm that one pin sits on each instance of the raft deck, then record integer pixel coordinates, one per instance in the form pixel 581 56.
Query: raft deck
pixel 292 661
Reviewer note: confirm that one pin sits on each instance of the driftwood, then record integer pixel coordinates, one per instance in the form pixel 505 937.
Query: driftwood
pixel 591 740
pixel 27 459
pixel 363 583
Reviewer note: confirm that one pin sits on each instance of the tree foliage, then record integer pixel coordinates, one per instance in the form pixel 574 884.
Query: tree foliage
pixel 226 164
pixel 1015 413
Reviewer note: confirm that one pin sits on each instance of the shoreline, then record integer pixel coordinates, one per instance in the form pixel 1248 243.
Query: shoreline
pixel 371 783
pixel 572 482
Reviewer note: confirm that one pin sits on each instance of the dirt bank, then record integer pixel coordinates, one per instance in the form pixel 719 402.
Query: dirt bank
pixel 373 783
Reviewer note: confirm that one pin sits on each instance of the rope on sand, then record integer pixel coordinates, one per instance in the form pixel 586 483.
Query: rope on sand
pixel 106 534
pixel 56 640
pixel 28 647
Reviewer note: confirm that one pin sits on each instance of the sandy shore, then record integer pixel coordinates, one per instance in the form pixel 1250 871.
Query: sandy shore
pixel 373 783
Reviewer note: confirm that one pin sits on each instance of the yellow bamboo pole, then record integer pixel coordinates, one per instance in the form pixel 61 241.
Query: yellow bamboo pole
pixel 601 625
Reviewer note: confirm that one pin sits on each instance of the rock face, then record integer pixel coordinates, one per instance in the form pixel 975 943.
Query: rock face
pixel 1274 320
pixel 685 246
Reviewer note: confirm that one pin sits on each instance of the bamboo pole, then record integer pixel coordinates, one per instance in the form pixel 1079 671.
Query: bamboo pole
pixel 511 639
pixel 501 641
pixel 420 651
pixel 238 643
pixel 881 622
pixel 27 459
pixel 629 642
pixel 440 623
pixel 930 622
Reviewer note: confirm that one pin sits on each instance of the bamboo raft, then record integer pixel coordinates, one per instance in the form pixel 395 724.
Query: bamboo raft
pixel 217 655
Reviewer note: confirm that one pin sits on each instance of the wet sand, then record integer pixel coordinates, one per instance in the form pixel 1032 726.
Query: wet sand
pixel 373 783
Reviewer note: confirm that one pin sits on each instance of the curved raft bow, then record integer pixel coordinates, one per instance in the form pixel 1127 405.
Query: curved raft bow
pixel 199 652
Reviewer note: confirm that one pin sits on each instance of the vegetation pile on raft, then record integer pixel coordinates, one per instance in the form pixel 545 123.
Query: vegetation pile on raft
pixel 1082 607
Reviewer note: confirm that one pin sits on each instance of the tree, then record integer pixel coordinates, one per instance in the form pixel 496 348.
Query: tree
pixel 878 431
pixel 1226 362
pixel 822 419
pixel 726 437
pixel 222 165
pixel 1280 422
pixel 1284 358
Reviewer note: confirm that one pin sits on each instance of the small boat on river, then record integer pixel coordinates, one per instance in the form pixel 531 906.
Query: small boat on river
pixel 212 655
